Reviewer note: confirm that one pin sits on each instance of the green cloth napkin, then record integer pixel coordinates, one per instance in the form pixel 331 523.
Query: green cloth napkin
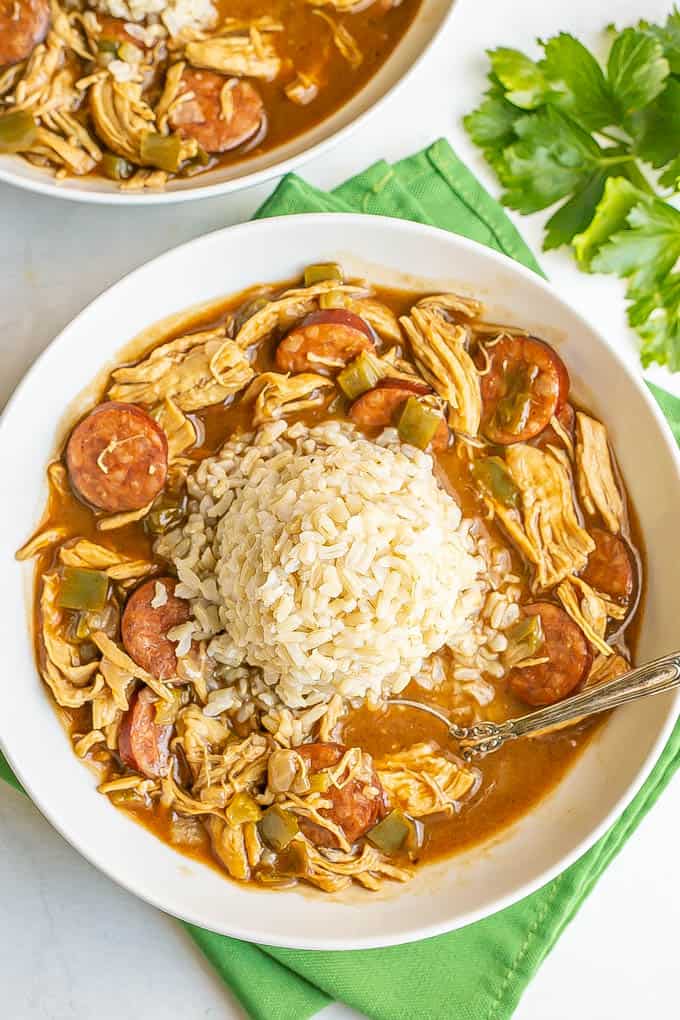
pixel 479 972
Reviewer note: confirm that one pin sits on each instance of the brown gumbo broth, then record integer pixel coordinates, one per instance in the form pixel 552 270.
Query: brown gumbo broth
pixel 475 471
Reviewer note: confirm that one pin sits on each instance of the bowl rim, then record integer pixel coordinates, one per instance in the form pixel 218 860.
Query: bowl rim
pixel 47 186
pixel 413 933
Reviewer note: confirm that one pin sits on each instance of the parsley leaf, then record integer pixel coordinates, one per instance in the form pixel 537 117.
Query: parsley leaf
pixel 564 130
pixel 636 70
pixel 657 129
pixel 656 317
pixel 552 157
pixel 578 82
pixel 645 252
pixel 521 77
pixel 491 125
pixel 668 36
pixel 611 215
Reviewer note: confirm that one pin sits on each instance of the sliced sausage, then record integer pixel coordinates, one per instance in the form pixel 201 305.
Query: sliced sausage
pixel 357 805
pixel 117 457
pixel 568 653
pixel 144 628
pixel 525 385
pixel 611 567
pixel 324 342
pixel 377 408
pixel 23 24
pixel 142 742
pixel 221 113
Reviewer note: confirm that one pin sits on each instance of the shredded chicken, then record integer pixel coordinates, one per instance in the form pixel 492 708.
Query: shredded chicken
pixel 292 305
pixel 588 611
pixel 344 41
pixel 251 55
pixel 179 430
pixel 595 473
pixel 193 371
pixel 71 683
pixel 277 395
pixel 421 781
pixel 456 303
pixel 333 870
pixel 440 352
pixel 381 318
pixel 549 533
pixel 90 556
pixel 229 844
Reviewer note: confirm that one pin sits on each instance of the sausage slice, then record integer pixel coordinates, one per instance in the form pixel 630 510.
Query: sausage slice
pixel 142 742
pixel 23 24
pixel 377 408
pixel 117 457
pixel 525 385
pixel 568 653
pixel 324 342
pixel 221 113
pixel 611 568
pixel 144 627
pixel 357 806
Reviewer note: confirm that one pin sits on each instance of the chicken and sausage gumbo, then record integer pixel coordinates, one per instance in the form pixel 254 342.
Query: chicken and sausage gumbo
pixel 316 496
pixel 141 91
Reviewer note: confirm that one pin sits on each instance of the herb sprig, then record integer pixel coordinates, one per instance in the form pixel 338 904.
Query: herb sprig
pixel 604 141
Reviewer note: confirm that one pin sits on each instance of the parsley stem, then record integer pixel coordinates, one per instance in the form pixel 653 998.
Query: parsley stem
pixel 615 160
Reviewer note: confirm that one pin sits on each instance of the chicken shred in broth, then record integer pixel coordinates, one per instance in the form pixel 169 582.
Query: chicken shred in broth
pixel 144 91
pixel 209 707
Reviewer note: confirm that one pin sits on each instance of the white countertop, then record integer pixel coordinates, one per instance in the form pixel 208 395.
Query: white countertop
pixel 73 945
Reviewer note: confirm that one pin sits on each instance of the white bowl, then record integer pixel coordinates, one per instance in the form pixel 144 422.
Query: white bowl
pixel 442 896
pixel 407 55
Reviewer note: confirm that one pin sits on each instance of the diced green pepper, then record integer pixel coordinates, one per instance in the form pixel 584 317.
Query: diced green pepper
pixel 332 299
pixel 163 151
pixel 513 409
pixel 418 423
pixel 391 834
pixel 277 827
pixel 165 712
pixel 360 375
pixel 319 782
pixel 108 45
pixel 83 589
pixel 115 167
pixel 18 131
pixel 492 474
pixel 321 271
pixel 242 808
pixel 164 518
pixel 527 633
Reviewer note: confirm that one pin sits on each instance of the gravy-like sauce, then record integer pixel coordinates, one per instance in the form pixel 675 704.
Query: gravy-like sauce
pixel 513 780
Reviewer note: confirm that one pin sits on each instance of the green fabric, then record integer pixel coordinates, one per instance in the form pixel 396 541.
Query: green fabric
pixel 480 972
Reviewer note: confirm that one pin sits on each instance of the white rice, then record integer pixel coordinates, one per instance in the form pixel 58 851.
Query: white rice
pixel 181 18
pixel 329 563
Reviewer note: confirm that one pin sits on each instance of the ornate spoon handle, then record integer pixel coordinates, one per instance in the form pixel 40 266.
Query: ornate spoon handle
pixel 482 738
pixel 654 678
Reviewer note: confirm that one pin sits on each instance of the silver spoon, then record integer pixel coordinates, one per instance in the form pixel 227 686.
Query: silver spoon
pixel 482 738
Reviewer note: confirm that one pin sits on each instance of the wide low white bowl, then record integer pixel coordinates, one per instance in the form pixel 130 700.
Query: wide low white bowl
pixel 411 49
pixel 442 896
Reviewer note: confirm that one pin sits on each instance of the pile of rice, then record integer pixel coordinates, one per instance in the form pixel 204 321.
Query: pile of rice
pixel 330 563
pixel 180 17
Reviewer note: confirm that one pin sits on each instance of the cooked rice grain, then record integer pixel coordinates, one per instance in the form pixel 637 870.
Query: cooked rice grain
pixel 335 563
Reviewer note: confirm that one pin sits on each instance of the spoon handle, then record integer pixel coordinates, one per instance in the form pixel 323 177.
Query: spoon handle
pixel 653 678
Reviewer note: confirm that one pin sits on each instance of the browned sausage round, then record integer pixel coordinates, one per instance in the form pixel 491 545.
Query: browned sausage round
pixel 568 653
pixel 610 567
pixel 117 457
pixel 142 742
pixel 377 407
pixel 23 24
pixel 144 628
pixel 525 385
pixel 202 116
pixel 357 806
pixel 324 342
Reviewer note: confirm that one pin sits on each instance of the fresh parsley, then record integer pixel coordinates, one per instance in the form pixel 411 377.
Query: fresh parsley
pixel 604 141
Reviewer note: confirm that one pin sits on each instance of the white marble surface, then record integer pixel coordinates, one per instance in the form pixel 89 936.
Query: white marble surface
pixel 74 946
